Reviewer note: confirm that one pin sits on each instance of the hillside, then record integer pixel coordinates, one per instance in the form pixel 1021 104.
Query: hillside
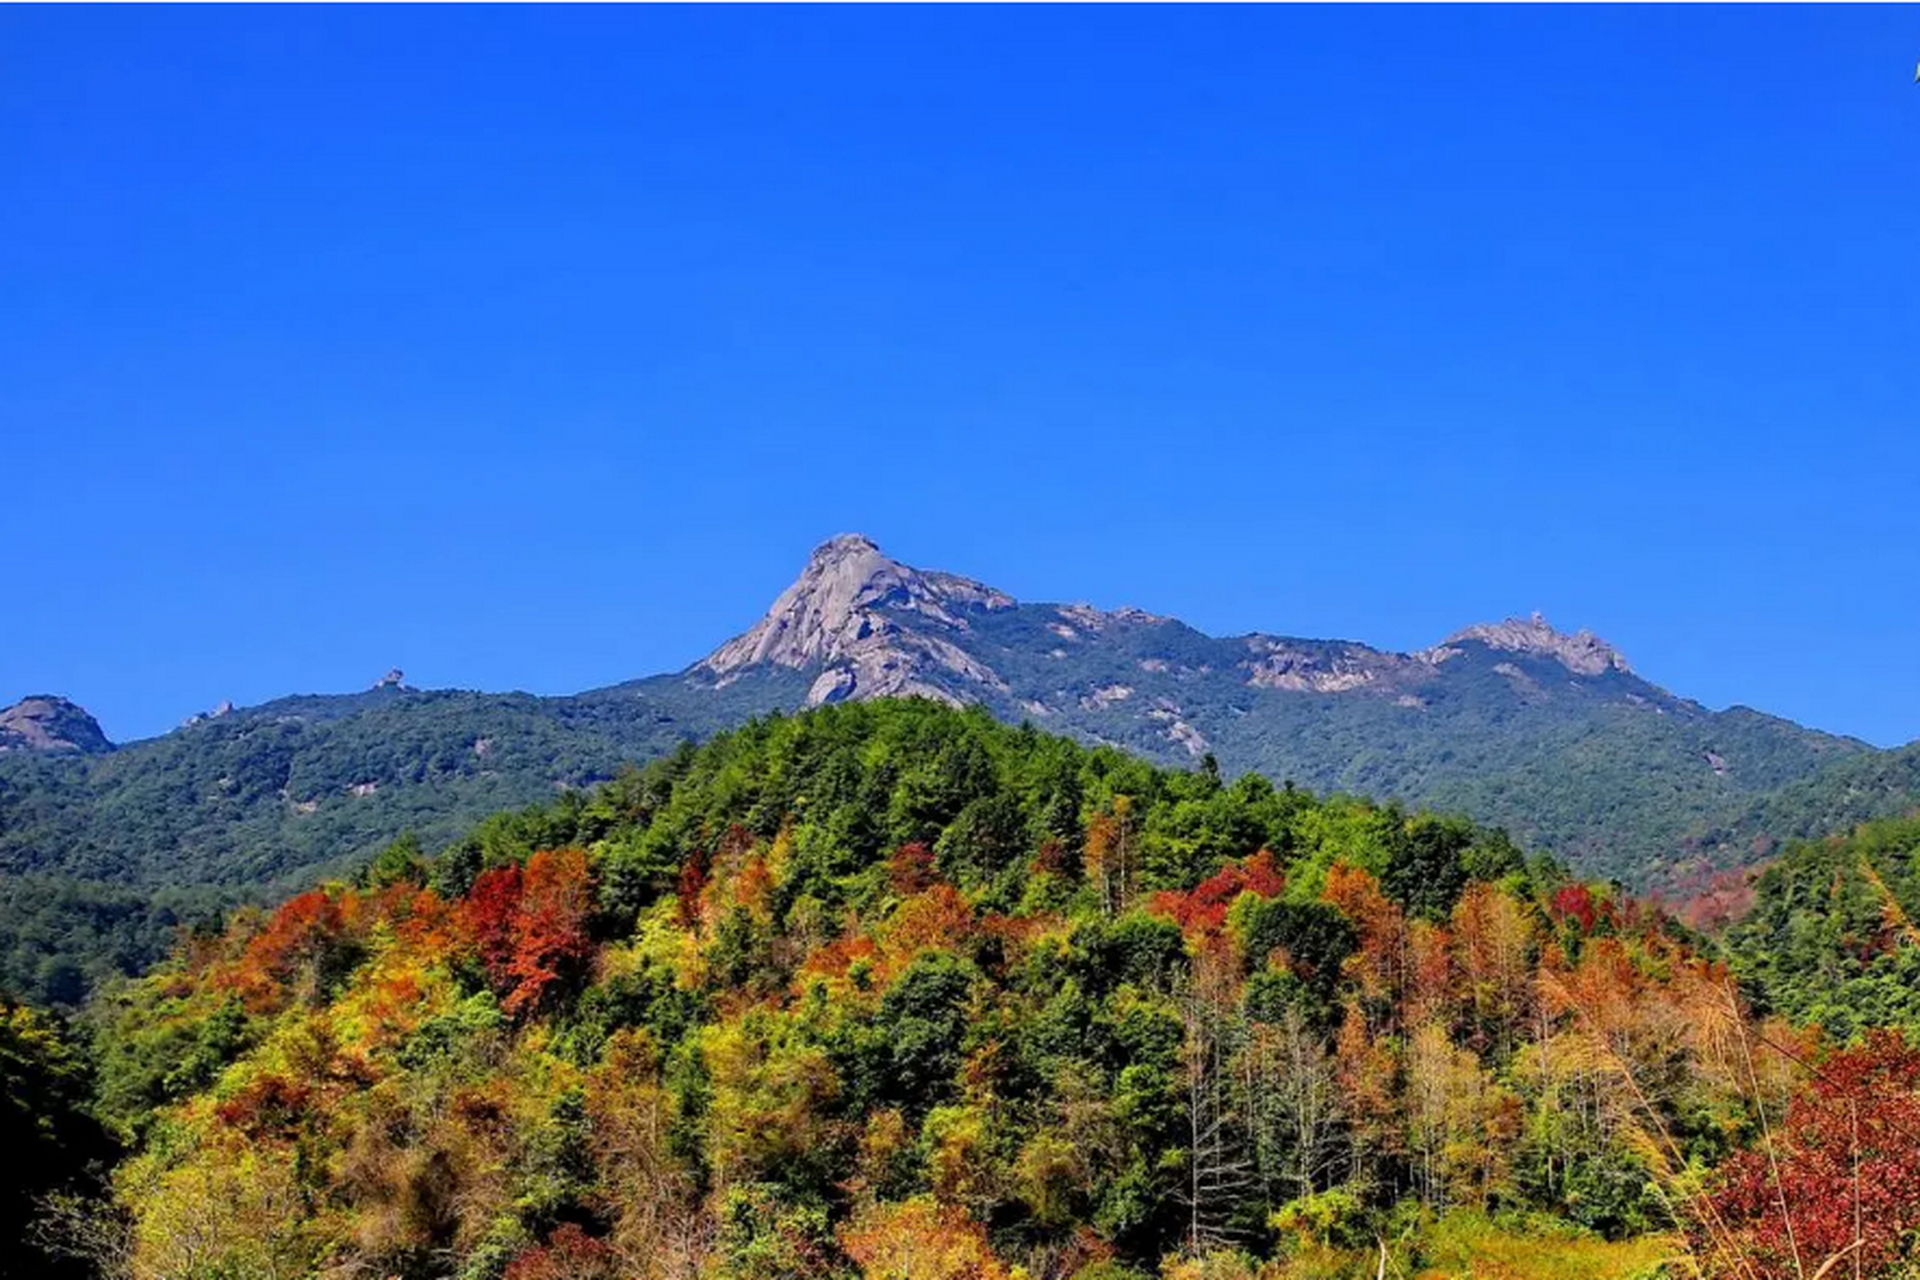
pixel 892 990
pixel 1831 938
pixel 1839 796
pixel 102 859
pixel 1548 734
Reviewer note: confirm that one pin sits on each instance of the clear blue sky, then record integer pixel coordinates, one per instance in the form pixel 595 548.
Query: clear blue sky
pixel 534 348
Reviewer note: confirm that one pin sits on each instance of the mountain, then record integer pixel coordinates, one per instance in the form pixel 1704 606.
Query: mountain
pixel 44 723
pixel 1549 734
pixel 890 991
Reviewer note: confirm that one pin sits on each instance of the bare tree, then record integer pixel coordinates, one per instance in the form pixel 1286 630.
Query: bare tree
pixel 1293 1107
pixel 1221 1171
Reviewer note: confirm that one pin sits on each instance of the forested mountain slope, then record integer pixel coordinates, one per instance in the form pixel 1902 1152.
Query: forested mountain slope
pixel 1831 937
pixel 102 858
pixel 1547 734
pixel 1846 792
pixel 892 990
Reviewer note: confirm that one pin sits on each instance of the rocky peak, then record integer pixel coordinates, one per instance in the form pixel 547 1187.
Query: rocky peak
pixel 223 708
pixel 876 625
pixel 43 722
pixel 1581 652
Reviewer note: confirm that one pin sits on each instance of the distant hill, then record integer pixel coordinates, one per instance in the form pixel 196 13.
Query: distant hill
pixel 1549 734
pixel 1857 788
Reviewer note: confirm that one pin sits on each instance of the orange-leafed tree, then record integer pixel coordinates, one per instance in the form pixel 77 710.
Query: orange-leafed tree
pixel 1111 856
pixel 303 950
pixel 919 1239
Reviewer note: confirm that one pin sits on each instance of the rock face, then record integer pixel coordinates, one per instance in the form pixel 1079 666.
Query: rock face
pixel 874 626
pixel 44 723
pixel 1581 652
pixel 1324 667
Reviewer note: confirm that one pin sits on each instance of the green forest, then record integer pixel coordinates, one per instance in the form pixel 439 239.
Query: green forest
pixel 892 991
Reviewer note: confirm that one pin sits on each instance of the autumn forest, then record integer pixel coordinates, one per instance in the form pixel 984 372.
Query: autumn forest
pixel 893 991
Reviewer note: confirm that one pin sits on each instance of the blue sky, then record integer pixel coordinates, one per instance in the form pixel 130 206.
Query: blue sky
pixel 534 348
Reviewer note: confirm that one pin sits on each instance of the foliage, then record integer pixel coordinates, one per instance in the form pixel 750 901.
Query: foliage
pixel 1839 1181
pixel 895 990
pixel 104 858
pixel 50 1140
pixel 1831 938
pixel 61 938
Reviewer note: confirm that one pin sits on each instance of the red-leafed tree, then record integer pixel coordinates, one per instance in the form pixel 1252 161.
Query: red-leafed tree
pixel 1203 908
pixel 568 1254
pixel 1844 1167
pixel 269 1107
pixel 910 870
pixel 550 940
pixel 690 888
pixel 487 915
pixel 1575 902
pixel 530 925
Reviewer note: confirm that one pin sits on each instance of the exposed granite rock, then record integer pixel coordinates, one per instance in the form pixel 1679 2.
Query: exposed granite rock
pixel 1176 730
pixel 223 708
pixel 1582 652
pixel 1318 667
pixel 1088 618
pixel 875 624
pixel 866 626
pixel 1105 696
pixel 43 722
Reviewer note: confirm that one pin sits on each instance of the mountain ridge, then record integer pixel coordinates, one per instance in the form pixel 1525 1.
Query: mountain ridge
pixel 844 613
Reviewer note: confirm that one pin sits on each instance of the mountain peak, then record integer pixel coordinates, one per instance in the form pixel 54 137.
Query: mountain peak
pixel 1581 651
pixel 43 722
pixel 843 546
pixel 873 623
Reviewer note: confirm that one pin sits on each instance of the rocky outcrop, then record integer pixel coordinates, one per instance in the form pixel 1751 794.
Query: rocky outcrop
pixel 1315 667
pixel 1088 619
pixel 223 708
pixel 1580 652
pixel 875 627
pixel 44 723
